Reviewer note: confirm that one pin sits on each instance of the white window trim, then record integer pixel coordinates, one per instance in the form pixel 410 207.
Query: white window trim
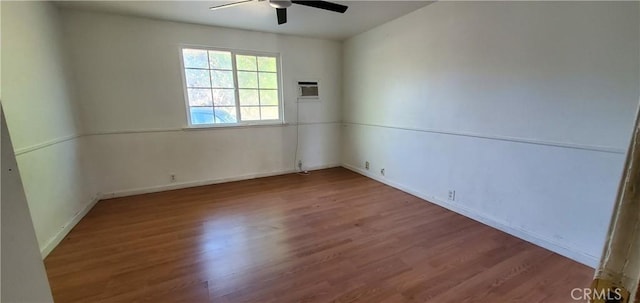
pixel 240 123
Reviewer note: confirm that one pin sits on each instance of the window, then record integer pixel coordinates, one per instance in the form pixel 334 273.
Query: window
pixel 228 87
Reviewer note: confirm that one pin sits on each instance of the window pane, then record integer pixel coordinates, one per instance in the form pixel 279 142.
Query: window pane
pixel 211 82
pixel 195 58
pixel 249 113
pixel 222 79
pixel 223 97
pixel 268 97
pixel 269 112
pixel 201 115
pixel 199 97
pixel 246 62
pixel 268 80
pixel 225 115
pixel 247 79
pixel 249 97
pixel 220 60
pixel 197 78
pixel 267 64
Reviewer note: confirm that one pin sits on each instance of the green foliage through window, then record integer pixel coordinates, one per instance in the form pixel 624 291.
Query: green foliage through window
pixel 225 87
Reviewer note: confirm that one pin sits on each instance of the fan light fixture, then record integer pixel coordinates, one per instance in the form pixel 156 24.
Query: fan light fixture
pixel 282 5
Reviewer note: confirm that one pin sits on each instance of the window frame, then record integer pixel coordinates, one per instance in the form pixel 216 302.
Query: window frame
pixel 236 89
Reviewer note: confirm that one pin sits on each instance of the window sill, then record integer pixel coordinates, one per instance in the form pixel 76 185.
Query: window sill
pixel 232 126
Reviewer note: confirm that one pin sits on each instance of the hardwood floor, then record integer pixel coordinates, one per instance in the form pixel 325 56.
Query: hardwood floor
pixel 332 236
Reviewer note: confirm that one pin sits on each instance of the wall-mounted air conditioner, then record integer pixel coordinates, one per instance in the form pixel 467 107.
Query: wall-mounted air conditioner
pixel 308 90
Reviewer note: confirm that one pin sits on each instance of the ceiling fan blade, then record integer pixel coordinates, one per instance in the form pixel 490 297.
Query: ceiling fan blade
pixel 282 15
pixel 330 6
pixel 229 4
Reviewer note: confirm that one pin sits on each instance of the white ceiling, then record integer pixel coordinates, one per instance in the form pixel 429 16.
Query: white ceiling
pixel 302 20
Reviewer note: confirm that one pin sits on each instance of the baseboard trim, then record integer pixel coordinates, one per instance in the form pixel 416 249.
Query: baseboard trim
pixel 53 242
pixel 528 236
pixel 174 186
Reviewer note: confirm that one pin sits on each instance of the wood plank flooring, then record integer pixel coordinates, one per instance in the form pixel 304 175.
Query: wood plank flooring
pixel 332 236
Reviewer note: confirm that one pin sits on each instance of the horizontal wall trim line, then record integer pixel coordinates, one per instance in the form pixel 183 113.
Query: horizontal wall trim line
pixel 604 149
pixel 25 150
pixel 190 129
pixel 21 151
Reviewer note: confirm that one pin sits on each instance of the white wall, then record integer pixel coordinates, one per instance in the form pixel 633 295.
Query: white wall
pixel 524 109
pixel 41 116
pixel 127 72
pixel 23 275
pixel 94 103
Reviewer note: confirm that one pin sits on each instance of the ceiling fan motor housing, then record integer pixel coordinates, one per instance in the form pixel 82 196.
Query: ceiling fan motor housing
pixel 280 3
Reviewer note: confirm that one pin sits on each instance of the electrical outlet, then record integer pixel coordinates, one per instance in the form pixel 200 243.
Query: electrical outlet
pixel 173 178
pixel 382 171
pixel 366 165
pixel 452 195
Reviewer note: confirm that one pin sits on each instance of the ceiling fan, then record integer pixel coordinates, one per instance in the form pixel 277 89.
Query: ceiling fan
pixel 281 6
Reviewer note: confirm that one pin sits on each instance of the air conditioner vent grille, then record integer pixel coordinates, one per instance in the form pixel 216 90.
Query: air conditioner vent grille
pixel 308 90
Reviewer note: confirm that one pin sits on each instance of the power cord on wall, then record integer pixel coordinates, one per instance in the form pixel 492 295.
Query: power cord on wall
pixel 297 165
